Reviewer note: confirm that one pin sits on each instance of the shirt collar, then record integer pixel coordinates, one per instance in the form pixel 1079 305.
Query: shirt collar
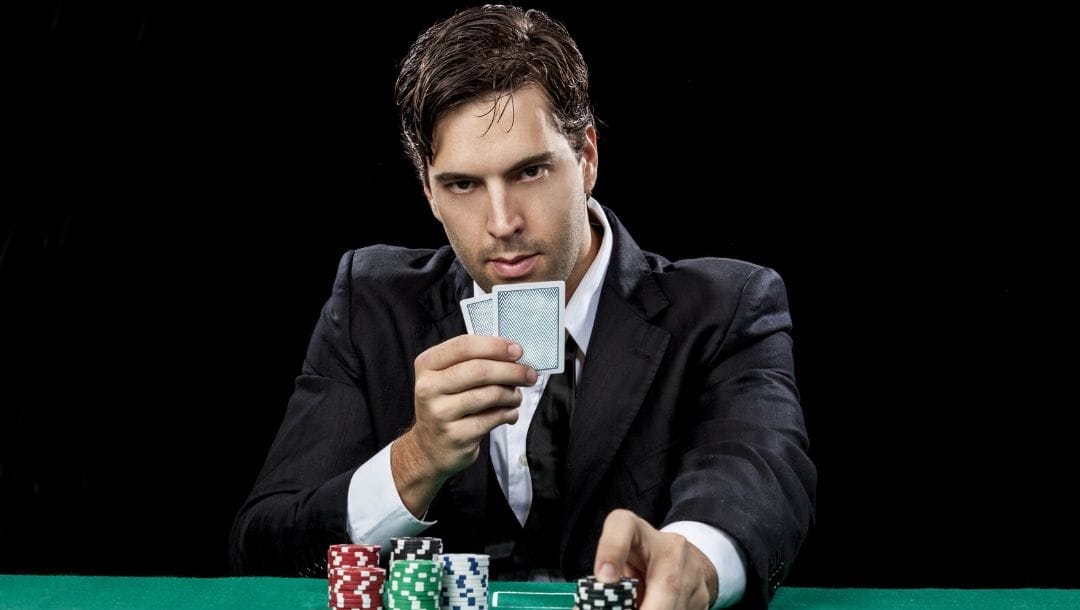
pixel 581 310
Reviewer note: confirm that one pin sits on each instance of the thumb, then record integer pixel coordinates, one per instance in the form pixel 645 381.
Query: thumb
pixel 619 538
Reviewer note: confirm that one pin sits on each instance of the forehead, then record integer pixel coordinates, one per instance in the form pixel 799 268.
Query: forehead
pixel 482 135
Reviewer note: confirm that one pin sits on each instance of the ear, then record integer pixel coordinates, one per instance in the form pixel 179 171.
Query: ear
pixel 590 157
pixel 431 202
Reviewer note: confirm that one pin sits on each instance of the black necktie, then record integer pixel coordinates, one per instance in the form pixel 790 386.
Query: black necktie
pixel 549 435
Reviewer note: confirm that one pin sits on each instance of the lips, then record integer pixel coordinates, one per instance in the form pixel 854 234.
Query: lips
pixel 508 267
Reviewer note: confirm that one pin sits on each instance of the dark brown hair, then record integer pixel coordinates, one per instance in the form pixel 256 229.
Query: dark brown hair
pixel 490 51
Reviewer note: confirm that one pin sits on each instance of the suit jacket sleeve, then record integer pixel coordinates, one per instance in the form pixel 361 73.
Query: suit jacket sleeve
pixel 298 504
pixel 745 467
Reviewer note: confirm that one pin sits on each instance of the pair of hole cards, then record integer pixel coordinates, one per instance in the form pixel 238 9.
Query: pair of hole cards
pixel 530 314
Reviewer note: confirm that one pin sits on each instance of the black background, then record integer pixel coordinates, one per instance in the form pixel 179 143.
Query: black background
pixel 178 181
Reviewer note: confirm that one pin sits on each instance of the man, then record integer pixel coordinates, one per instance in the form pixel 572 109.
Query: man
pixel 685 463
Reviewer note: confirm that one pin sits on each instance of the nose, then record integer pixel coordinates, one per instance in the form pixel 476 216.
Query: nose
pixel 504 215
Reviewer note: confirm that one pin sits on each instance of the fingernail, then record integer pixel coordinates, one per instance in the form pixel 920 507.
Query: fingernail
pixel 531 376
pixel 607 573
pixel 515 351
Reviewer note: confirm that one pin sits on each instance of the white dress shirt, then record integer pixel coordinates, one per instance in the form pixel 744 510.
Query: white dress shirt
pixel 375 510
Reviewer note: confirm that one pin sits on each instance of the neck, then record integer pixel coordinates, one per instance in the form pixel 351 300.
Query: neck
pixel 592 247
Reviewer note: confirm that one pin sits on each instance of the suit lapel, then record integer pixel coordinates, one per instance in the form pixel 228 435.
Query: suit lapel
pixel 624 354
pixel 441 301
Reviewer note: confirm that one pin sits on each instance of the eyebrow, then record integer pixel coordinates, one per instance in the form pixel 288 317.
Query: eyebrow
pixel 538 159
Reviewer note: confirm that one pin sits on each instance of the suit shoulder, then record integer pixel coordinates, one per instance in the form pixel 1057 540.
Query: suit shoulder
pixel 714 273
pixel 734 302
pixel 394 267
pixel 386 278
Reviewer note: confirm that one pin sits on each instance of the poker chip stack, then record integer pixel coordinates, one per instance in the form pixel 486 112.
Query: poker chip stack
pixel 414 584
pixel 415 548
pixel 354 577
pixel 594 595
pixel 464 581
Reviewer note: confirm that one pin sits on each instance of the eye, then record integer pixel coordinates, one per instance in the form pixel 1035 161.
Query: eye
pixel 460 186
pixel 533 172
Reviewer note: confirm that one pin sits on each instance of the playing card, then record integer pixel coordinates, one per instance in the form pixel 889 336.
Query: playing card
pixel 532 315
pixel 479 318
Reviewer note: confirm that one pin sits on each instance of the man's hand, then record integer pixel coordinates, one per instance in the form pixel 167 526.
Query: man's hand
pixel 465 387
pixel 674 573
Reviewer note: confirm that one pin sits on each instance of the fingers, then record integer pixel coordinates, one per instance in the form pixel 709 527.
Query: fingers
pixel 464 388
pixel 484 421
pixel 468 347
pixel 664 586
pixel 464 376
pixel 621 535
pixel 470 374
pixel 470 362
pixel 666 563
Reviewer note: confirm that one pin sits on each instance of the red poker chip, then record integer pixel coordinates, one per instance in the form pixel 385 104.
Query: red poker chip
pixel 359 584
pixel 346 588
pixel 334 563
pixel 373 548
pixel 354 574
pixel 356 596
pixel 345 584
pixel 355 601
pixel 356 586
pixel 375 570
pixel 356 577
pixel 333 566
pixel 353 562
pixel 354 591
pixel 353 554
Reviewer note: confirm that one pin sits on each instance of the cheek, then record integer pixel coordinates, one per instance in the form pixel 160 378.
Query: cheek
pixel 458 220
pixel 455 233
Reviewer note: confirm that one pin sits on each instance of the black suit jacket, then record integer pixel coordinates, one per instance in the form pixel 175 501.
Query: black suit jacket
pixel 687 409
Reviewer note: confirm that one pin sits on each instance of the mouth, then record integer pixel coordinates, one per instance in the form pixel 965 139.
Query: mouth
pixel 510 267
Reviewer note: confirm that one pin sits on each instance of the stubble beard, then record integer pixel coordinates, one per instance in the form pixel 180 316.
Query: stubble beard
pixel 561 255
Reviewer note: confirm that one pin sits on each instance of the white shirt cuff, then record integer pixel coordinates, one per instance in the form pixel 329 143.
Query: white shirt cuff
pixel 375 510
pixel 724 555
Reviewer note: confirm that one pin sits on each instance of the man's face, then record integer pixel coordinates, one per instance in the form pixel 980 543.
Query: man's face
pixel 510 192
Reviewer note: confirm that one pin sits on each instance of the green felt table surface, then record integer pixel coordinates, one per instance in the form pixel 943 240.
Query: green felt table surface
pixel 119 592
